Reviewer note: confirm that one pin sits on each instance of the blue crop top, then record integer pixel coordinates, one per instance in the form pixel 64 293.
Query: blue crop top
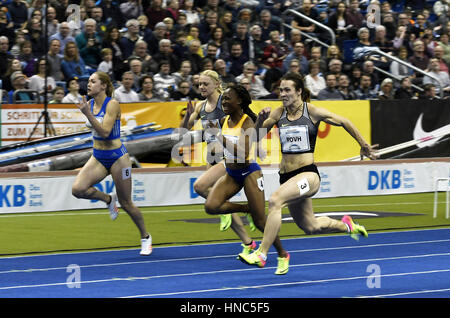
pixel 115 132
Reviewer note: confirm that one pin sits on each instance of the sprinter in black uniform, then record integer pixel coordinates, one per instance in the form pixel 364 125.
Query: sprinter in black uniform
pixel 298 123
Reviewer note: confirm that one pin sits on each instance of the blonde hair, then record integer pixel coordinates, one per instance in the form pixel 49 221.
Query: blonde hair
pixel 215 77
pixel 105 79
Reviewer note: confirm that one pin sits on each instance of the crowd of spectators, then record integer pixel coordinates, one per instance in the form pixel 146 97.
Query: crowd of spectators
pixel 154 50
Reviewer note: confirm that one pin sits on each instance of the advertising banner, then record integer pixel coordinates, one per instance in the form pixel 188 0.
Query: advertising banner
pixel 177 188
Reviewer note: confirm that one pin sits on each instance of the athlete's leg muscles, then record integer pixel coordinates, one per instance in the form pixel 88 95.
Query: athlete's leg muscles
pixel 92 173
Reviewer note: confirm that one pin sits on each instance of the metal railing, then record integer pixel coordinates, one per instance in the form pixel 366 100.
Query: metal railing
pixel 29 91
pixel 320 25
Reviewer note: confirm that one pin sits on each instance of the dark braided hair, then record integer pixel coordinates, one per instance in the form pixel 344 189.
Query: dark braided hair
pixel 245 97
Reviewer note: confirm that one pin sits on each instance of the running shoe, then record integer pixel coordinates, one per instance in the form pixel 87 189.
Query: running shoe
pixel 225 221
pixel 112 207
pixel 247 249
pixel 283 265
pixel 250 222
pixel 355 230
pixel 146 246
pixel 255 258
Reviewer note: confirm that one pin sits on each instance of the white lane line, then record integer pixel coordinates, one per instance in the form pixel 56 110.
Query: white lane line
pixel 237 270
pixel 287 284
pixel 11 271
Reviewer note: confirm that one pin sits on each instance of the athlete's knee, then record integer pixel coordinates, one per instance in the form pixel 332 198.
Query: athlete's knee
pixel 275 202
pixel 212 207
pixel 78 191
pixel 200 187
pixel 126 203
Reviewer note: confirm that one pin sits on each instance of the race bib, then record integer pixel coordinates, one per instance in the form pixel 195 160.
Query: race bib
pixel 294 139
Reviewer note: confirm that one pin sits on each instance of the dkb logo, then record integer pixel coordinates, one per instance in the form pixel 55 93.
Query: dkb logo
pixel 385 179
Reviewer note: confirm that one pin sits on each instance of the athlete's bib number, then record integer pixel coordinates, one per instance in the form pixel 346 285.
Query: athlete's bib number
pixel 294 139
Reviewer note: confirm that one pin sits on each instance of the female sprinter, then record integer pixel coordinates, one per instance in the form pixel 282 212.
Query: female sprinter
pixel 241 171
pixel 210 111
pixel 299 177
pixel 109 155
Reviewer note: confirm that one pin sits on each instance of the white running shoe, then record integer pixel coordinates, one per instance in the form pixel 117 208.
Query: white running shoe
pixel 146 246
pixel 112 206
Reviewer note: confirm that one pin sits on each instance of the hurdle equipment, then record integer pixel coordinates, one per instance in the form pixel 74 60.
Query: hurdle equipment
pixel 447 201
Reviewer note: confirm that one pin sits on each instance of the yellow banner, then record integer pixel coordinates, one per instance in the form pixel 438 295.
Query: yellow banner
pixel 333 143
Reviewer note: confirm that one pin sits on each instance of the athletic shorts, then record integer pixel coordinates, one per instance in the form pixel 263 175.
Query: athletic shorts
pixel 108 157
pixel 286 176
pixel 239 175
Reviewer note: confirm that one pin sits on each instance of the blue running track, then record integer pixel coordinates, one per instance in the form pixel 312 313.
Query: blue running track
pixel 389 264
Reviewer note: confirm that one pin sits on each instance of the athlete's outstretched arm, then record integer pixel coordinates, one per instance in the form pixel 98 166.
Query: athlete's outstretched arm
pixel 322 114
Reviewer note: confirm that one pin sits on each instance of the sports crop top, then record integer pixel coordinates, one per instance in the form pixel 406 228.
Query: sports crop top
pixel 115 132
pixel 297 136
pixel 232 134
pixel 213 117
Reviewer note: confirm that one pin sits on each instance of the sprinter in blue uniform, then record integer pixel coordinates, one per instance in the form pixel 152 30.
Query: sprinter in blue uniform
pixel 109 156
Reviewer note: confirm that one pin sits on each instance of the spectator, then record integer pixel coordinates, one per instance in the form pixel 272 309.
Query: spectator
pixel 257 89
pixel 165 53
pixel 386 89
pixel 354 17
pixel 364 91
pixel 207 64
pixel 18 12
pixel 164 82
pixel 172 9
pixel 297 53
pixel 144 31
pixel 329 92
pixel 226 23
pixel 170 29
pixel 111 13
pixel 180 25
pixel 339 21
pixel 72 64
pixel 363 37
pixel 355 75
pixel 399 38
pixel 124 93
pixel 419 59
pixel 192 16
pixel 245 15
pixel 294 66
pixel 302 24
pixel 257 46
pixel 184 73
pixel 368 69
pixel 155 13
pixel 381 40
pixel 27 58
pixel 399 69
pixel 147 93
pixel 106 65
pixel 6 24
pixel 265 20
pixel 443 42
pixel 316 56
pixel 294 36
pixel 112 41
pixel 54 59
pixel 333 52
pixel 73 96
pixel 276 51
pixel 438 54
pixel 149 65
pixel 63 35
pixel 5 55
pixel 131 9
pixel 237 59
pixel 193 57
pixel 101 26
pixel 89 43
pixel 242 37
pixel 128 41
pixel 19 82
pixel 57 95
pixel 443 83
pixel 37 81
pixel 344 88
pixel 195 83
pixel 36 37
pixel 335 67
pixel 183 92
pixel 135 65
pixel 405 90
pixel 221 68
pixel 13 65
pixel 207 25
pixel 429 92
pixel 218 37
pixel 314 81
pixel 159 33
